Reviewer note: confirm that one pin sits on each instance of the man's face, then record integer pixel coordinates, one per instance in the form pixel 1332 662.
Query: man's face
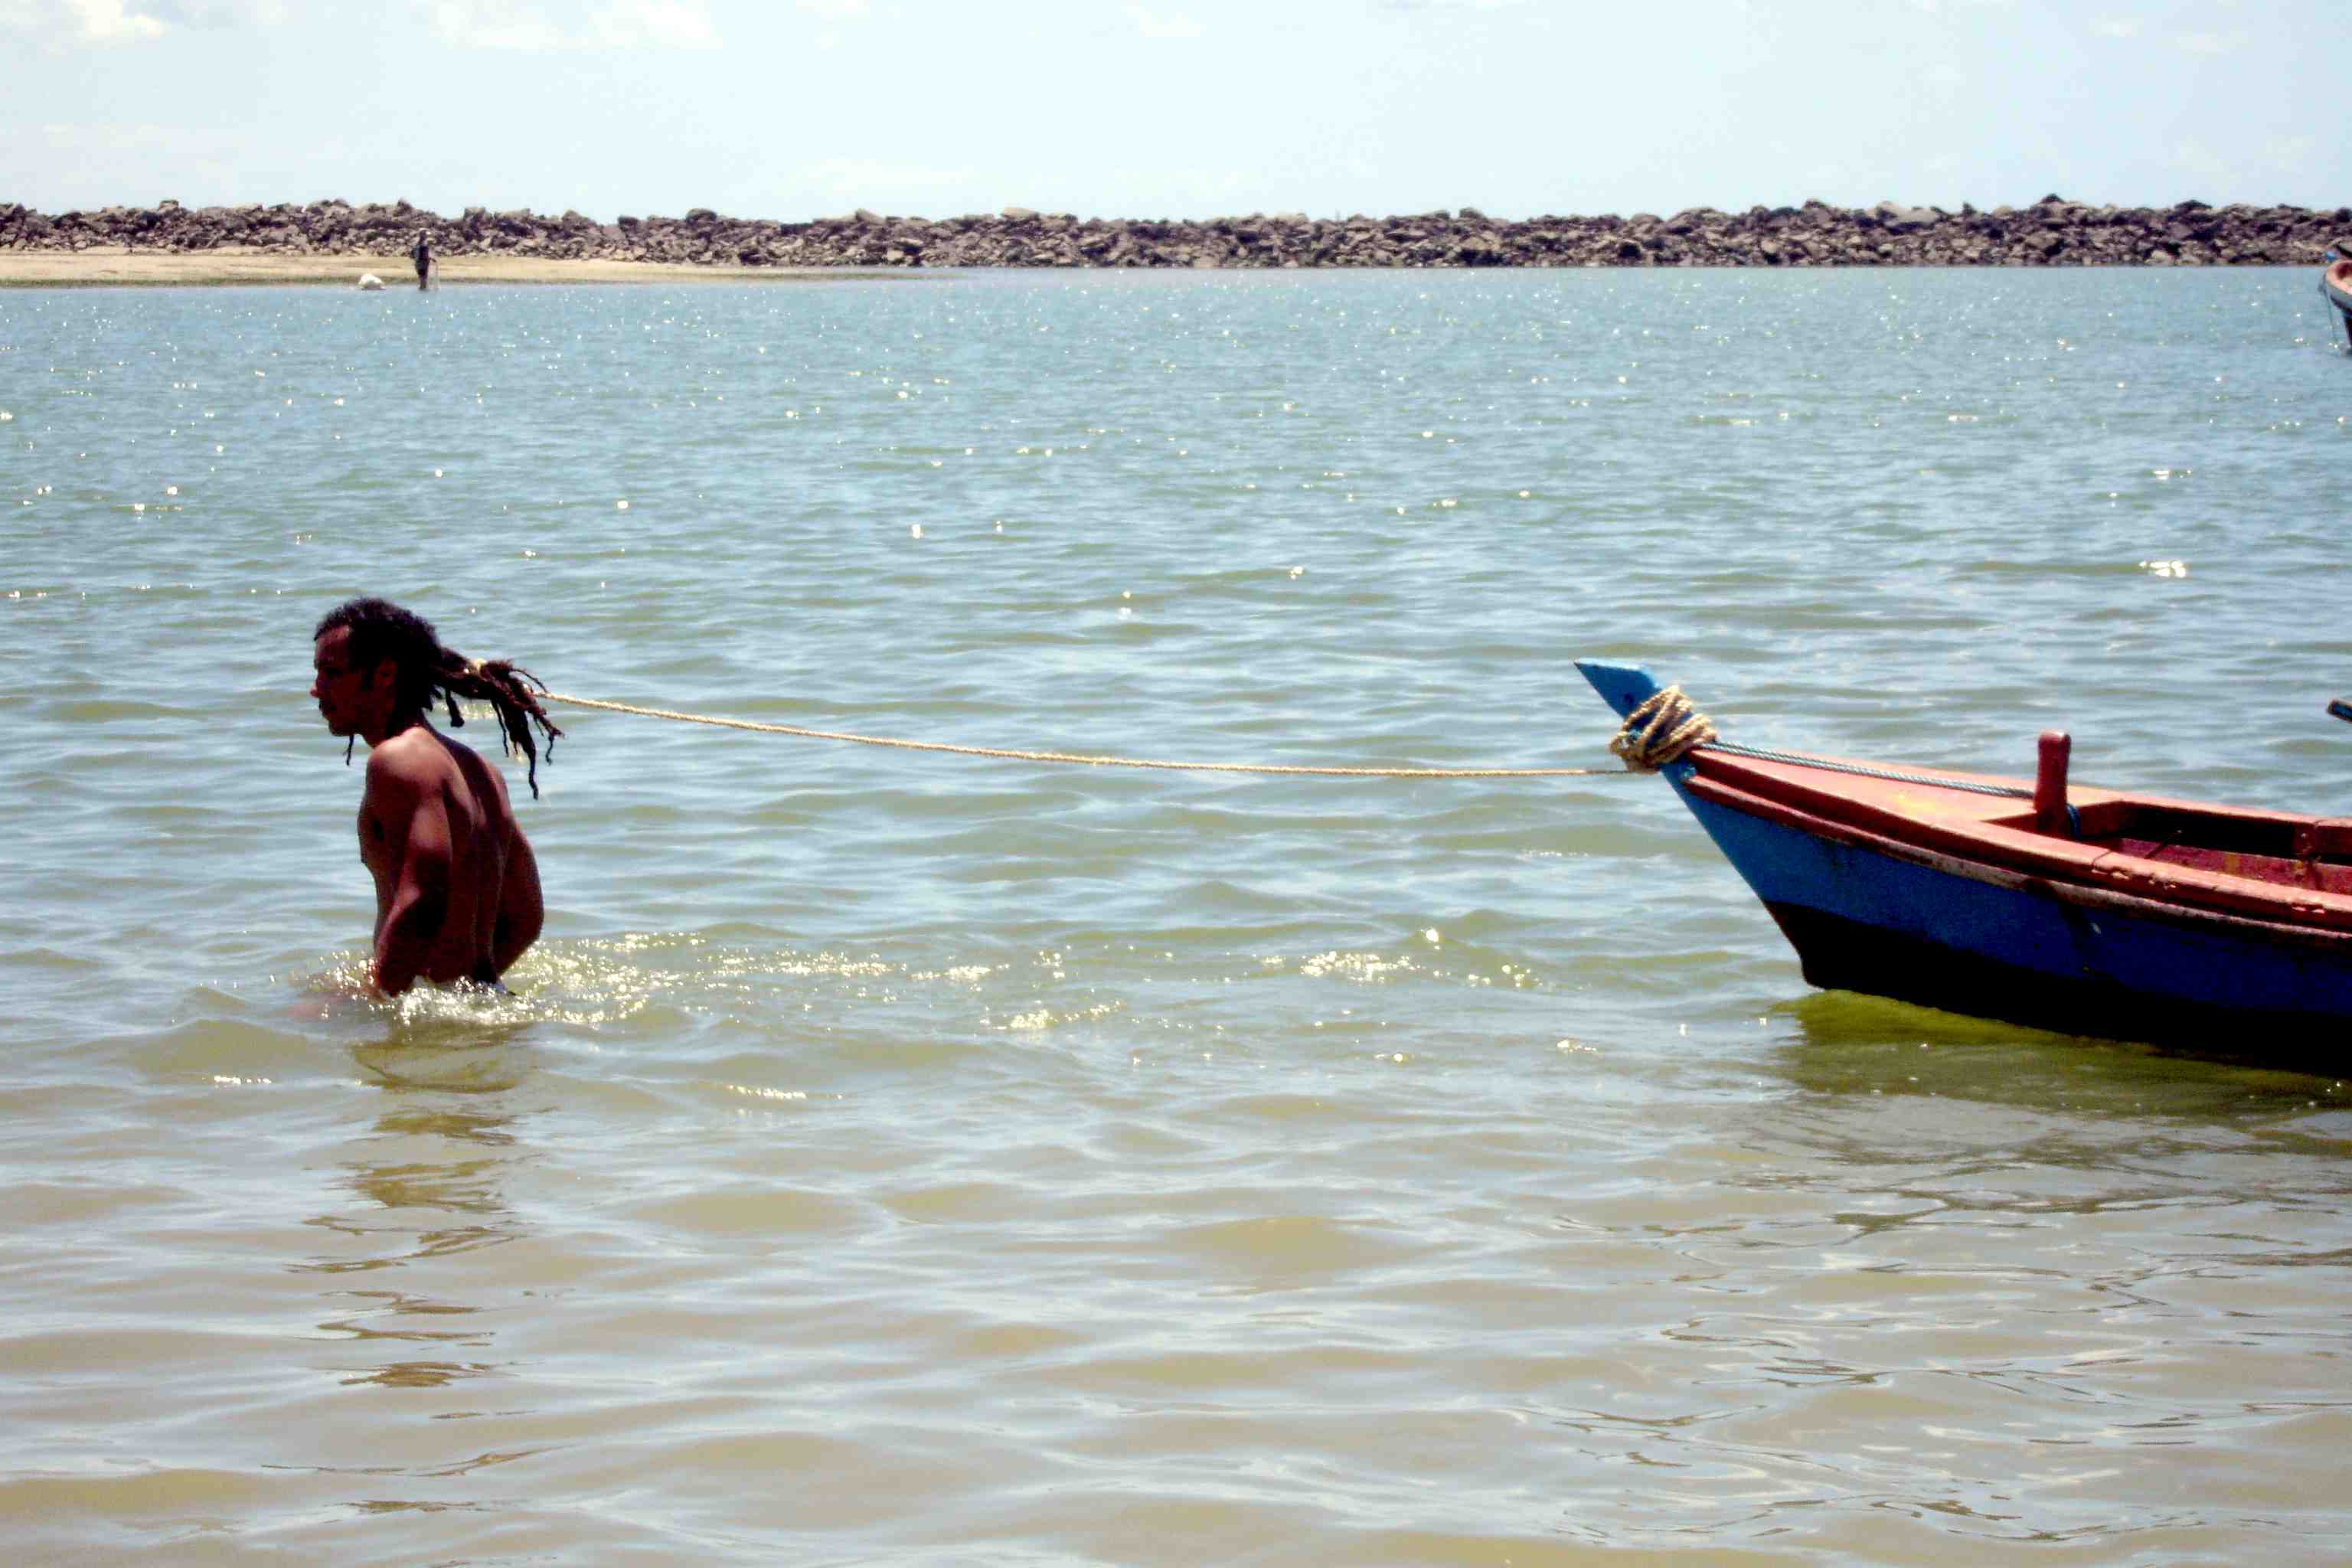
pixel 338 686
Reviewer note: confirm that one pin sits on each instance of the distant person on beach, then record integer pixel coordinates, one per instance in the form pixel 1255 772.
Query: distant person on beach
pixel 456 887
pixel 423 257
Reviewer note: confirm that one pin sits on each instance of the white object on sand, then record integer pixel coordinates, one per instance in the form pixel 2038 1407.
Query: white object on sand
pixel 370 280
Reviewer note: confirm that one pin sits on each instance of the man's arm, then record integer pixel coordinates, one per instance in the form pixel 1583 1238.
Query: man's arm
pixel 406 800
pixel 520 913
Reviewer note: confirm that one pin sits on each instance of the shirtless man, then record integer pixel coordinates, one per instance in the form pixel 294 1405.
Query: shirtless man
pixel 456 887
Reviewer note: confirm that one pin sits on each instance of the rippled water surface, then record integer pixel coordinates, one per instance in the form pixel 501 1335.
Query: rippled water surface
pixel 895 1157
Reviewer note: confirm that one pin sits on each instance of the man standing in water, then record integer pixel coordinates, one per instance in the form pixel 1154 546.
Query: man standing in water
pixel 456 887
pixel 423 257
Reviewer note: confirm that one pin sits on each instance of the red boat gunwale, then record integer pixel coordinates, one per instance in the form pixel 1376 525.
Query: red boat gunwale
pixel 2180 857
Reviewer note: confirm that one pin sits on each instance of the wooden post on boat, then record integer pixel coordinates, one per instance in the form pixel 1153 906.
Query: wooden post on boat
pixel 2050 784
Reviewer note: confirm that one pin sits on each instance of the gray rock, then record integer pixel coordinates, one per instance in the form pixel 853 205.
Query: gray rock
pixel 1903 220
pixel 2053 232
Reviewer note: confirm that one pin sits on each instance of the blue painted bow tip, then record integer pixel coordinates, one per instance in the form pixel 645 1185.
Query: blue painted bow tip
pixel 1624 687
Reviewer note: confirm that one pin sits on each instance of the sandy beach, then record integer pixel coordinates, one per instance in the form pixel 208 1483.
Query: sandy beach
pixel 118 266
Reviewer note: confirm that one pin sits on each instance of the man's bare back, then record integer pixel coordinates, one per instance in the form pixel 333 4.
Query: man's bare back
pixel 456 887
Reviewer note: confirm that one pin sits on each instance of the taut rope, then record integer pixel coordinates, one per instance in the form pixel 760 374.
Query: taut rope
pixel 1025 756
pixel 1662 731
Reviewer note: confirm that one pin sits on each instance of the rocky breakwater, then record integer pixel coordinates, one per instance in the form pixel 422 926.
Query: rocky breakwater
pixel 2052 232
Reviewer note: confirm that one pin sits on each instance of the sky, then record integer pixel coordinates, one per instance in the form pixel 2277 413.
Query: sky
pixel 793 110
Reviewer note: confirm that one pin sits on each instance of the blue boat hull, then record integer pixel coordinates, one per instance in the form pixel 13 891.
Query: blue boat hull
pixel 1893 917
pixel 2055 958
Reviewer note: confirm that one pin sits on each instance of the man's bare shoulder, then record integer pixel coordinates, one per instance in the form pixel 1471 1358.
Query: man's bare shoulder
pixel 481 776
pixel 413 761
pixel 421 761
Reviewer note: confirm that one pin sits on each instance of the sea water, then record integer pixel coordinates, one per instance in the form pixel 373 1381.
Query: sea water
pixel 894 1157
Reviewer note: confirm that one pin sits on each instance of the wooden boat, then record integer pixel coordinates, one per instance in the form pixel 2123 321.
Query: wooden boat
pixel 2335 286
pixel 2089 911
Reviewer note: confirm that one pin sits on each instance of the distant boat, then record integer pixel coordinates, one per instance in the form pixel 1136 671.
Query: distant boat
pixel 2336 286
pixel 2092 911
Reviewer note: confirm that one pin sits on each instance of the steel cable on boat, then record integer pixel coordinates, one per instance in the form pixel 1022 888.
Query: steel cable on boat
pixel 1864 770
pixel 1665 729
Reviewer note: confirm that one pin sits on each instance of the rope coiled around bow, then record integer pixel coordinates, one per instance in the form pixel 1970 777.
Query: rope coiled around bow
pixel 1663 729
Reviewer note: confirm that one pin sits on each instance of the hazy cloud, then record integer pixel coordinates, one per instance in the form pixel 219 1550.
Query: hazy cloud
pixel 2116 26
pixel 538 25
pixel 66 22
pixel 2210 43
pixel 1153 26
pixel 82 21
pixel 109 136
pixel 2194 157
pixel 833 13
pixel 2290 152
pixel 486 24
pixel 218 12
pixel 841 183
pixel 116 161
pixel 678 25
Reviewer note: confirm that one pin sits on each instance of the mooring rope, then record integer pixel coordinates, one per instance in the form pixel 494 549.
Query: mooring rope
pixel 1027 756
pixel 1661 731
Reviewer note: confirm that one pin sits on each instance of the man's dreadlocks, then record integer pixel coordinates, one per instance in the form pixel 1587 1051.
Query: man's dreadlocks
pixel 428 672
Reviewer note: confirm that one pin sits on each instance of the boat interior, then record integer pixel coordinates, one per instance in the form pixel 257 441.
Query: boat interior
pixel 2289 852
